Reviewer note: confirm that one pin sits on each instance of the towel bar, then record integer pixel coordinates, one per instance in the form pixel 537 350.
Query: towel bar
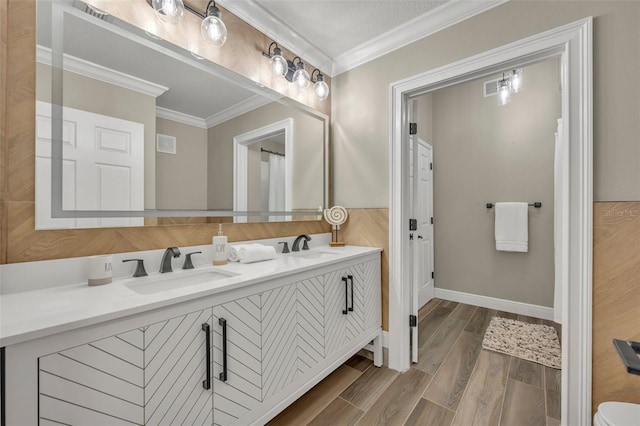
pixel 537 205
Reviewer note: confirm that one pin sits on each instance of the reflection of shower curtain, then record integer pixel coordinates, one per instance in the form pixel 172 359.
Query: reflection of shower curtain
pixel 276 185
pixel 560 182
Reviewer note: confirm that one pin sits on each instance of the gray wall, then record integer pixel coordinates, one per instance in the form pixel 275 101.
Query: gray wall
pixel 181 179
pixel 114 101
pixel 360 97
pixel 486 153
pixel 308 146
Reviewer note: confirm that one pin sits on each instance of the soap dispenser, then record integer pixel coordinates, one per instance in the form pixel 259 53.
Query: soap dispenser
pixel 219 247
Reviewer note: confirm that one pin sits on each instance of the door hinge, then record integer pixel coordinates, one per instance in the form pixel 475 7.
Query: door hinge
pixel 430 166
pixel 432 220
pixel 413 128
pixel 433 275
pixel 413 321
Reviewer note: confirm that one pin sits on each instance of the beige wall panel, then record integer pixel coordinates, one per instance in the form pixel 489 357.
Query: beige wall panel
pixel 3 129
pixel 487 153
pixel 113 101
pixel 361 95
pixel 308 145
pixel 181 179
pixel 369 227
pixel 616 281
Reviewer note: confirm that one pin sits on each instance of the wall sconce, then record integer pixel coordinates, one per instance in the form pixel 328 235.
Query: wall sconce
pixel 504 91
pixel 320 87
pixel 509 84
pixel 516 80
pixel 294 71
pixel 212 28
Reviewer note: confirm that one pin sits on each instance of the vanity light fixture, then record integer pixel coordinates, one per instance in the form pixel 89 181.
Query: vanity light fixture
pixel 516 80
pixel 504 91
pixel 301 77
pixel 170 11
pixel 278 62
pixel 320 87
pixel 294 71
pixel 212 28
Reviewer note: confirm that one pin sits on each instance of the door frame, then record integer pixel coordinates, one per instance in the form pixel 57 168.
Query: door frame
pixel 574 43
pixel 241 163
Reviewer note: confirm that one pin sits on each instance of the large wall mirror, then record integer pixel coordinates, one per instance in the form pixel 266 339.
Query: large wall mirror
pixel 129 126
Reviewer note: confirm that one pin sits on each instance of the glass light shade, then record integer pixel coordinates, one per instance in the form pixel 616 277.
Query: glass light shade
pixel 170 11
pixel 214 30
pixel 301 77
pixel 321 89
pixel 504 92
pixel 279 63
pixel 516 81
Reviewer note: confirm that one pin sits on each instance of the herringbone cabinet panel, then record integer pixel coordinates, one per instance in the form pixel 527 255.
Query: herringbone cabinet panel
pixel 242 390
pixel 175 367
pixel 99 383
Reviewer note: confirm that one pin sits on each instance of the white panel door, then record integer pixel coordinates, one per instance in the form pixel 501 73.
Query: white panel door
pixel 423 243
pixel 103 167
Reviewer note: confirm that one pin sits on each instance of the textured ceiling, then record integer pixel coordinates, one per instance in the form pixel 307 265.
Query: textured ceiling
pixel 335 27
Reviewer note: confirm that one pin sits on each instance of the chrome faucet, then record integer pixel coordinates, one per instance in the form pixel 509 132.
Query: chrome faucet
pixel 296 243
pixel 165 265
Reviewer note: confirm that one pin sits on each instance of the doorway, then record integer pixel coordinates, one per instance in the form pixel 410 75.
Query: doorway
pixel 572 43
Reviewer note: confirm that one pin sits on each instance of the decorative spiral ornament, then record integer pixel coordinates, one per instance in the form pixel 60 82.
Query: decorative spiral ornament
pixel 336 215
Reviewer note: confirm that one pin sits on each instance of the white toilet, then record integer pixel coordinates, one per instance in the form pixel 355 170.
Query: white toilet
pixel 617 414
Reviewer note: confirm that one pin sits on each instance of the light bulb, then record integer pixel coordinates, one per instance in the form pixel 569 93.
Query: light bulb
pixel 504 92
pixel 212 28
pixel 170 11
pixel 301 77
pixel 321 88
pixel 516 81
pixel 279 63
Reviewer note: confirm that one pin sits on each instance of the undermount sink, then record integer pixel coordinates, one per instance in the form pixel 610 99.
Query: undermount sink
pixel 315 254
pixel 169 281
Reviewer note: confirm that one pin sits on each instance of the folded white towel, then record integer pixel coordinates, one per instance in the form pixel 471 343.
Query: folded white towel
pixel 511 229
pixel 249 253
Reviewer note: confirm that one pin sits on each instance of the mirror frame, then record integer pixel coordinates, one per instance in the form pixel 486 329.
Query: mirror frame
pixel 59 8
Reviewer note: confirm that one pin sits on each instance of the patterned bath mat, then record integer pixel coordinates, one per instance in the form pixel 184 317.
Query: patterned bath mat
pixel 533 342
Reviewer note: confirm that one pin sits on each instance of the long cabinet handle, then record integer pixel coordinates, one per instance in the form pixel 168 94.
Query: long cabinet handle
pixel 346 296
pixel 223 323
pixel 351 279
pixel 207 329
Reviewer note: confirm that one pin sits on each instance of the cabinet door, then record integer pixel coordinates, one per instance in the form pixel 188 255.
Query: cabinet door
pixel 350 303
pixel 98 383
pixel 241 389
pixel 175 371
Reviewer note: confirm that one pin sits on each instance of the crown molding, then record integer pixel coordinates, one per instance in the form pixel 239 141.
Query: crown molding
pixel 180 117
pixel 98 72
pixel 278 31
pixel 236 110
pixel 444 16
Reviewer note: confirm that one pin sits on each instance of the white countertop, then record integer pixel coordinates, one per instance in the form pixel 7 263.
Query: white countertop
pixel 33 314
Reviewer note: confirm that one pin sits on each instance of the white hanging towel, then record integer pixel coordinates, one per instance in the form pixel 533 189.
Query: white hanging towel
pixel 512 227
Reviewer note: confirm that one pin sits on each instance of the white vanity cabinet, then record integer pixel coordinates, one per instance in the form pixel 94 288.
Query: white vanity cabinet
pixel 236 357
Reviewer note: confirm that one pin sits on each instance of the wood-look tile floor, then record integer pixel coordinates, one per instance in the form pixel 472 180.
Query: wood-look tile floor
pixel 455 382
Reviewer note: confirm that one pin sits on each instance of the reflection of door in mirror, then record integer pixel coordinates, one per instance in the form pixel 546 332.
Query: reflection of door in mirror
pixel 262 171
pixel 103 167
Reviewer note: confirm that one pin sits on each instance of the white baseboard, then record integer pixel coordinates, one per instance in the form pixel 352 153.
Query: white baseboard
pixel 494 303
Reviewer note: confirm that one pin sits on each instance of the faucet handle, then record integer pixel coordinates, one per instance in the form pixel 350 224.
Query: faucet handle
pixel 187 261
pixel 285 248
pixel 140 271
pixel 305 246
